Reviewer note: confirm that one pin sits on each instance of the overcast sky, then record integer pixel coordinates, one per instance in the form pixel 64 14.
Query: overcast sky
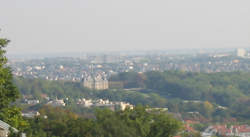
pixel 109 25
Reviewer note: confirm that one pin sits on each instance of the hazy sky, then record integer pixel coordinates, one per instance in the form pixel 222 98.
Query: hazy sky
pixel 109 25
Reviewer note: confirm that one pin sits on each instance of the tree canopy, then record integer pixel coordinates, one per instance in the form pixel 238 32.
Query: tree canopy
pixel 137 122
pixel 8 92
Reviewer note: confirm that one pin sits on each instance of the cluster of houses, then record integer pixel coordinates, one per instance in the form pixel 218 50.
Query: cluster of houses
pixel 83 102
pixel 106 103
pixel 31 101
pixel 225 130
pixel 71 69
pixel 218 130
pixel 57 102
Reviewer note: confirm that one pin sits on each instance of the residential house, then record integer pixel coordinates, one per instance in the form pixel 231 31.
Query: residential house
pixel 4 129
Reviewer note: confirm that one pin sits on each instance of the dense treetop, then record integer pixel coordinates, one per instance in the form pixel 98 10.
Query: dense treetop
pixel 9 113
pixel 129 123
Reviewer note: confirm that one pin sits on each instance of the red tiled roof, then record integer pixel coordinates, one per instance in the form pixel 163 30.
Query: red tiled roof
pixel 223 130
pixel 242 128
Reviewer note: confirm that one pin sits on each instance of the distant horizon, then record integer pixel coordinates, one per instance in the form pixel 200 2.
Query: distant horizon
pixel 129 52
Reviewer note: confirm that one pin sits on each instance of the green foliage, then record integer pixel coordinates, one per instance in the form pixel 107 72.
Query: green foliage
pixel 229 89
pixel 107 123
pixel 222 88
pixel 130 79
pixel 62 89
pixel 8 92
pixel 188 134
pixel 12 115
pixel 164 126
pixel 161 89
pixel 59 89
pixel 200 127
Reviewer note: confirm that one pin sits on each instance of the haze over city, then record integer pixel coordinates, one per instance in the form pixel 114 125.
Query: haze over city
pixel 125 68
pixel 114 25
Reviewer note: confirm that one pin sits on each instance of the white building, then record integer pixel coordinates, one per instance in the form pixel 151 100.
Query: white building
pixel 98 82
pixel 124 105
pixel 31 114
pixel 57 103
pixel 85 102
pixel 241 52
pixel 103 103
pixel 32 102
